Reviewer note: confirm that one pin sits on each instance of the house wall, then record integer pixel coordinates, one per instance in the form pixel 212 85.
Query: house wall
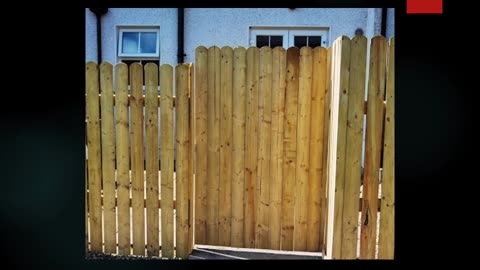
pixel 225 26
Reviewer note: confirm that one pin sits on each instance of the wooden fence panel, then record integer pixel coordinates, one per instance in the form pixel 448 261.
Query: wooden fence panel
pixel 387 220
pixel 373 142
pixel 213 138
pixel 316 148
pixel 182 162
pixel 167 158
pixel 136 133
pixel 276 162
pixel 94 161
pixel 200 93
pixel 264 139
pixel 326 127
pixel 123 160
pixel 238 147
pixel 290 148
pixel 303 140
pixel 151 148
pixel 251 144
pixel 225 181
pixel 353 162
pixel 108 157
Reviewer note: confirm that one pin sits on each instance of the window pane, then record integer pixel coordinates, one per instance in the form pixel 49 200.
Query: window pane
pixel 148 42
pixel 314 41
pixel 300 41
pixel 130 42
pixel 276 41
pixel 262 41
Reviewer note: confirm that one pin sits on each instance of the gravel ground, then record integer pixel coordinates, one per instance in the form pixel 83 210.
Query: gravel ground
pixel 102 256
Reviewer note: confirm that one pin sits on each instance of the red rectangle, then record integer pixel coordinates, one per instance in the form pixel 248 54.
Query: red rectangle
pixel 424 6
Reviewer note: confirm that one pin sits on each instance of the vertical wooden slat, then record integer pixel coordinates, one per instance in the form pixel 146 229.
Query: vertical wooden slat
pixel 123 160
pixel 353 162
pixel 94 162
pixel 85 197
pixel 191 157
pixel 108 157
pixel 316 148
pixel 200 93
pixel 151 148
pixel 182 162
pixel 251 130
pixel 337 139
pixel 225 183
pixel 264 139
pixel 136 133
pixel 387 219
pixel 290 148
pixel 213 138
pixel 166 158
pixel 276 163
pixel 326 126
pixel 373 139
pixel 303 140
pixel 342 89
pixel 238 148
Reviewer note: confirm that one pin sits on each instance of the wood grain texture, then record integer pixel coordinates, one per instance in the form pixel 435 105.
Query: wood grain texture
pixel 151 155
pixel 108 157
pixel 213 139
pixel 225 182
pixel 94 160
pixel 303 144
pixel 123 159
pixel 386 242
pixel 279 67
pixel 182 162
pixel 200 95
pixel 264 147
pixel 315 172
pixel 238 147
pixel 251 144
pixel 167 158
pixel 353 162
pixel 137 156
pixel 290 148
pixel 373 143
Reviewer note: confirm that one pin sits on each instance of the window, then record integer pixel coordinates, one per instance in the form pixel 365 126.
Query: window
pixel 139 42
pixel 289 36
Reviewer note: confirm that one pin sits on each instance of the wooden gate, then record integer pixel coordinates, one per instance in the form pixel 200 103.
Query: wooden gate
pixel 260 117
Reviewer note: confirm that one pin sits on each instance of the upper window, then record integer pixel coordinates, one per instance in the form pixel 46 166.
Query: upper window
pixel 289 36
pixel 138 42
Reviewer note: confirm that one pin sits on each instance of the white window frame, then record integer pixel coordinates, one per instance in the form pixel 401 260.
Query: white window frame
pixel 289 33
pixel 268 32
pixel 138 55
pixel 311 32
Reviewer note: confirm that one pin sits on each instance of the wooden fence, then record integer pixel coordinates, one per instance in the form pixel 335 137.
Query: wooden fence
pixel 139 197
pixel 269 141
pixel 347 106
pixel 260 133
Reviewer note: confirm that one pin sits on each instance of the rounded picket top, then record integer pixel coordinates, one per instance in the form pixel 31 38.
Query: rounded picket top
pixel 150 65
pixel 378 41
pixel 226 48
pixel 166 67
pixel 120 65
pixel 91 65
pixel 239 48
pixel 106 64
pixel 181 66
pixel 359 39
pixel 136 66
pixel 265 49
pixel 319 49
pixel 278 48
pixel 201 49
pixel 252 48
pixel 213 48
pixel 392 41
pixel 305 51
